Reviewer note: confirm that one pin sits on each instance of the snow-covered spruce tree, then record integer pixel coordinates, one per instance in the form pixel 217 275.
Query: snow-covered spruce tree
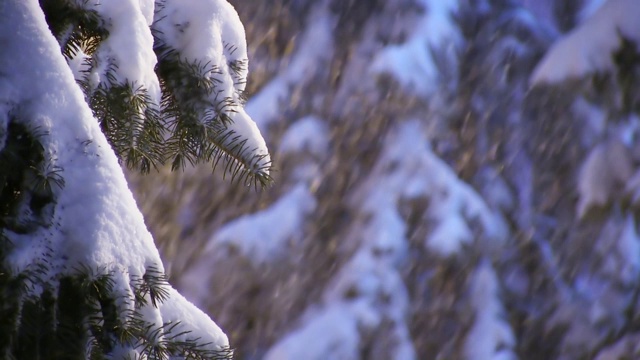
pixel 601 270
pixel 80 276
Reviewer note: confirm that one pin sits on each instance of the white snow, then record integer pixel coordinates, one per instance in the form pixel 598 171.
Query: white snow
pixel 633 187
pixel 128 24
pixel 210 32
pixel 588 48
pixel 490 337
pixel 409 169
pixel 309 134
pixel 411 62
pixel 78 64
pixel 328 334
pixel 607 167
pixel 315 50
pixel 369 289
pixel 194 323
pixel 366 291
pixel 265 235
pixel 629 250
pixel 95 221
pixel 589 8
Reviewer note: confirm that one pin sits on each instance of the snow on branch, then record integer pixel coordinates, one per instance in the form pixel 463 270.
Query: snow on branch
pixel 203 64
pixel 72 240
pixel 412 63
pixel 491 336
pixel 409 169
pixel 165 80
pixel 589 48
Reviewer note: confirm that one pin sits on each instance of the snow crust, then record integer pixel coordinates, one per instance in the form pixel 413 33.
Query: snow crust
pixel 588 48
pixel 95 221
pixel 412 63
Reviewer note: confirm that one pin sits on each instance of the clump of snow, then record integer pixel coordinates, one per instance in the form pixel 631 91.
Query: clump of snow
pixel 588 48
pixel 595 119
pixel 327 334
pixel 632 188
pixel 409 169
pixel 255 236
pixel 127 22
pixel 200 30
pixel 210 32
pixel 366 291
pixel 96 222
pixel 309 134
pixel 607 166
pixel 490 337
pixel 619 246
pixel 316 47
pixel 97 218
pixel 194 323
pixel 411 62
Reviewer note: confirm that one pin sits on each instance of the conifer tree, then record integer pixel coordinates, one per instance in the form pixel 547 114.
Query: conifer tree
pixel 79 274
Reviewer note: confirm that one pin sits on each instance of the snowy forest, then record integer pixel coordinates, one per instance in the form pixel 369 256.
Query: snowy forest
pixel 392 179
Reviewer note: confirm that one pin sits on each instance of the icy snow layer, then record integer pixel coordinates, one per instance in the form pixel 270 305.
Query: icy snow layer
pixel 588 48
pixel 210 32
pixel 97 222
pixel 411 62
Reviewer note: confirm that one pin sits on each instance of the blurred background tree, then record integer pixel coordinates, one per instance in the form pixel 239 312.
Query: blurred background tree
pixel 455 180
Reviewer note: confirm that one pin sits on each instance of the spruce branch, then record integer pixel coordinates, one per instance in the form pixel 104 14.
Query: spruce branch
pixel 74 26
pixel 130 121
pixel 199 115
pixel 153 283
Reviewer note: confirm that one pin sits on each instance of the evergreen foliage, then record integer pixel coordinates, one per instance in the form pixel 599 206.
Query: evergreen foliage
pixel 191 123
pixel 79 315
pixel 79 312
